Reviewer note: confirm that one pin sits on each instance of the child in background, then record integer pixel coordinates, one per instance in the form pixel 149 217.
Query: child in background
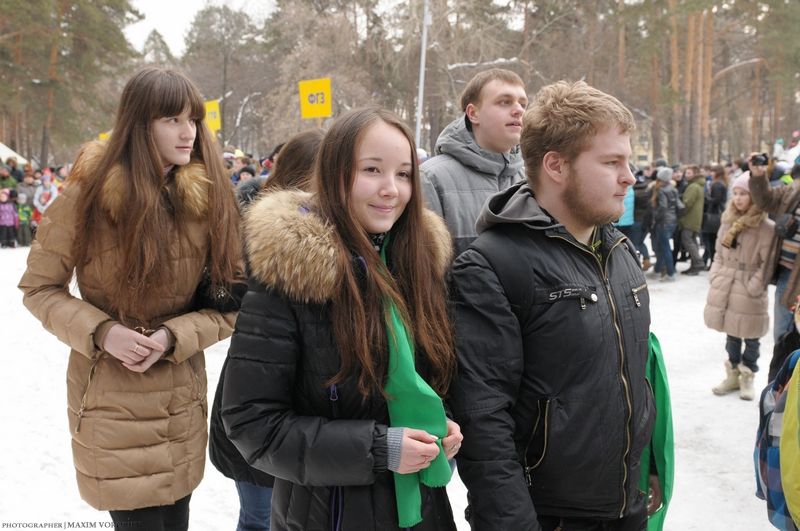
pixel 737 298
pixel 25 214
pixel 8 220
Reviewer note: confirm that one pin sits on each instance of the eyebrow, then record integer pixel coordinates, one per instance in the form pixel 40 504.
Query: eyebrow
pixel 379 159
pixel 512 96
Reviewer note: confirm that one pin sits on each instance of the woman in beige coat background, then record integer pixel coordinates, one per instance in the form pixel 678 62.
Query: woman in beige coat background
pixel 737 297
pixel 143 221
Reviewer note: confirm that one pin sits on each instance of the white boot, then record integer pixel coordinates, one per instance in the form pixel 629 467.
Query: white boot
pixel 746 376
pixel 731 381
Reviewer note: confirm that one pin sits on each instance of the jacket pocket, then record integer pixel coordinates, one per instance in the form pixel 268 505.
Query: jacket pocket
pixel 639 304
pixel 536 449
pixel 85 396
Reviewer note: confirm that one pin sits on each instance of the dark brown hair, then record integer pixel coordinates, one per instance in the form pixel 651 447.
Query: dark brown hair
pixel 414 284
pixel 295 162
pixel 472 92
pixel 142 228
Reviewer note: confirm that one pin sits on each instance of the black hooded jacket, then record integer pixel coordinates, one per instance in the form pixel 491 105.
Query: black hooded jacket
pixel 551 396
pixel 325 445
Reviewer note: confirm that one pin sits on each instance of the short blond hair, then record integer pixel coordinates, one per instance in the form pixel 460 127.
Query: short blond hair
pixel 564 117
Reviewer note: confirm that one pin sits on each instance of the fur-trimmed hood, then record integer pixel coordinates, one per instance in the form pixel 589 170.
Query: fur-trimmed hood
pixel 191 182
pixel 290 247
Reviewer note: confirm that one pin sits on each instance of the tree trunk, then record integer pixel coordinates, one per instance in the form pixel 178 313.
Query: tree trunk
pixel 708 47
pixel 674 81
pixel 688 95
pixel 655 105
pixel 756 107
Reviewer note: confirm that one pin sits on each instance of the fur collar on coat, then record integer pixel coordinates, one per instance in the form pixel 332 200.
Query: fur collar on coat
pixel 191 182
pixel 291 248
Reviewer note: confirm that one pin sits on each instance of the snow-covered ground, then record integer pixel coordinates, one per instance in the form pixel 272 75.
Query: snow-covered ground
pixel 714 436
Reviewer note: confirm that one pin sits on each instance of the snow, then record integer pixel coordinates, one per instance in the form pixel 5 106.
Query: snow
pixel 714 436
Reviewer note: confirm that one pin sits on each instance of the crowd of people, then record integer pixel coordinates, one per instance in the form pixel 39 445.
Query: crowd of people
pixel 388 319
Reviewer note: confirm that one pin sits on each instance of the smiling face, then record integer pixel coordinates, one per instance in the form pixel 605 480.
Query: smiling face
pixel 598 180
pixel 497 117
pixel 383 178
pixel 174 138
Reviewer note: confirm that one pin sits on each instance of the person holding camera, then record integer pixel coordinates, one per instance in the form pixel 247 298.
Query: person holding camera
pixel 784 203
pixel 737 298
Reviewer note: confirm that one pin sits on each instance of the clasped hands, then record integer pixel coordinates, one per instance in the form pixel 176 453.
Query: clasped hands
pixel 136 351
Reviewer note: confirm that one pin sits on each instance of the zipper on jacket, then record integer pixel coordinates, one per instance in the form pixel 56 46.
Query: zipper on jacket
pixel 603 268
pixel 525 466
pixel 333 397
pixel 86 394
pixel 635 292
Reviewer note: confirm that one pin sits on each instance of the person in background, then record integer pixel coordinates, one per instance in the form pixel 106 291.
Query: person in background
pixel 343 347
pixel 25 214
pixel 665 218
pixel 642 217
pixel 477 154
pixel 737 296
pixel 292 172
pixel 714 205
pixel 9 220
pixel 149 227
pixel 28 188
pixel 7 182
pixel 14 169
pixel 783 203
pixel 691 219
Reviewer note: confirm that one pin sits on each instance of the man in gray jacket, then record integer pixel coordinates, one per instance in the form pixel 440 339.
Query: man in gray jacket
pixel 477 155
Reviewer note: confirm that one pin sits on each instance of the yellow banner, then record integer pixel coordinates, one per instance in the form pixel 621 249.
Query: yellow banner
pixel 315 98
pixel 213 118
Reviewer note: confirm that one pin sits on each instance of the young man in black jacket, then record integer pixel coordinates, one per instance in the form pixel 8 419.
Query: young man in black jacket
pixel 552 323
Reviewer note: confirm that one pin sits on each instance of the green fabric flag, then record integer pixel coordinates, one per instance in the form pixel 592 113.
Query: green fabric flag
pixel 412 404
pixel 661 445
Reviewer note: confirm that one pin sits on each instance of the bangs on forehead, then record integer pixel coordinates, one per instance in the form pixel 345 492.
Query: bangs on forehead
pixel 175 94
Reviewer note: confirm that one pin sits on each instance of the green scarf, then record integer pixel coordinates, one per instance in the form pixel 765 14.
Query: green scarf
pixel 412 404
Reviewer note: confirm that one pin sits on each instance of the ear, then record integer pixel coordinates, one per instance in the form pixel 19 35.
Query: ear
pixel 472 113
pixel 554 166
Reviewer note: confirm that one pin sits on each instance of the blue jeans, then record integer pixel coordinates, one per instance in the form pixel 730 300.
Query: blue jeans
pixel 636 235
pixel 255 505
pixel 784 318
pixel 733 345
pixel 662 236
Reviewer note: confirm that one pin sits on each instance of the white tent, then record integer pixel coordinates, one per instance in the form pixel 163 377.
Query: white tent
pixel 6 152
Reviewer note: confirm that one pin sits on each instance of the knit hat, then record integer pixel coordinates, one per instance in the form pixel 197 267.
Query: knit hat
pixel 743 182
pixel 664 174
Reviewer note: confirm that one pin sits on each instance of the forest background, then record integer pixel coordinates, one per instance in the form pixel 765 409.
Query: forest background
pixel 706 80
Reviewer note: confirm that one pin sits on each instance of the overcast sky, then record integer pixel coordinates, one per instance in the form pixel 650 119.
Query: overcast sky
pixel 173 18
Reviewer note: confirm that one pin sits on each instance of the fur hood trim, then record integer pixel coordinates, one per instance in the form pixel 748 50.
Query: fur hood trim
pixel 191 181
pixel 292 248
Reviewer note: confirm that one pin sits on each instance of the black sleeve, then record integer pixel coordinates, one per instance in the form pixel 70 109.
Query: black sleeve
pixel 257 407
pixel 490 365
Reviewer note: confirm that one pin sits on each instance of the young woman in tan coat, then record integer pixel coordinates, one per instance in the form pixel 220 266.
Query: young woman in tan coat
pixel 144 221
pixel 737 298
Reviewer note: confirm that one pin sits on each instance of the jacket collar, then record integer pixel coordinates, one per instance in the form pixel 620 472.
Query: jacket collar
pixel 292 248
pixel 191 182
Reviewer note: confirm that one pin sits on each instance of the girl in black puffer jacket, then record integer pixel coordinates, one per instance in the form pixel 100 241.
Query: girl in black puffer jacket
pixel 312 391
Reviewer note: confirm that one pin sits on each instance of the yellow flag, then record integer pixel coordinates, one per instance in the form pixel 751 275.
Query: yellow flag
pixel 213 119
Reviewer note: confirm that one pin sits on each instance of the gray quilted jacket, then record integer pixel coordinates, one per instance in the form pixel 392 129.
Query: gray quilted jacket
pixel 461 176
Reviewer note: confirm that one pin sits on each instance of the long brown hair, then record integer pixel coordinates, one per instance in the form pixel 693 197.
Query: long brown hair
pixel 295 162
pixel 151 208
pixel 414 284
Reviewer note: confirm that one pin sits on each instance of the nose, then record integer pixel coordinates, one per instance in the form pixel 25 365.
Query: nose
pixel 389 186
pixel 518 109
pixel 189 130
pixel 627 176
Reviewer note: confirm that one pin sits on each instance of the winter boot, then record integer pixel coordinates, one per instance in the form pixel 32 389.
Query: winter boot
pixel 646 264
pixel 746 376
pixel 731 381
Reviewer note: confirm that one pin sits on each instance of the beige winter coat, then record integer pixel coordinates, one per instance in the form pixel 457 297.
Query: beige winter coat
pixel 138 440
pixel 737 298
